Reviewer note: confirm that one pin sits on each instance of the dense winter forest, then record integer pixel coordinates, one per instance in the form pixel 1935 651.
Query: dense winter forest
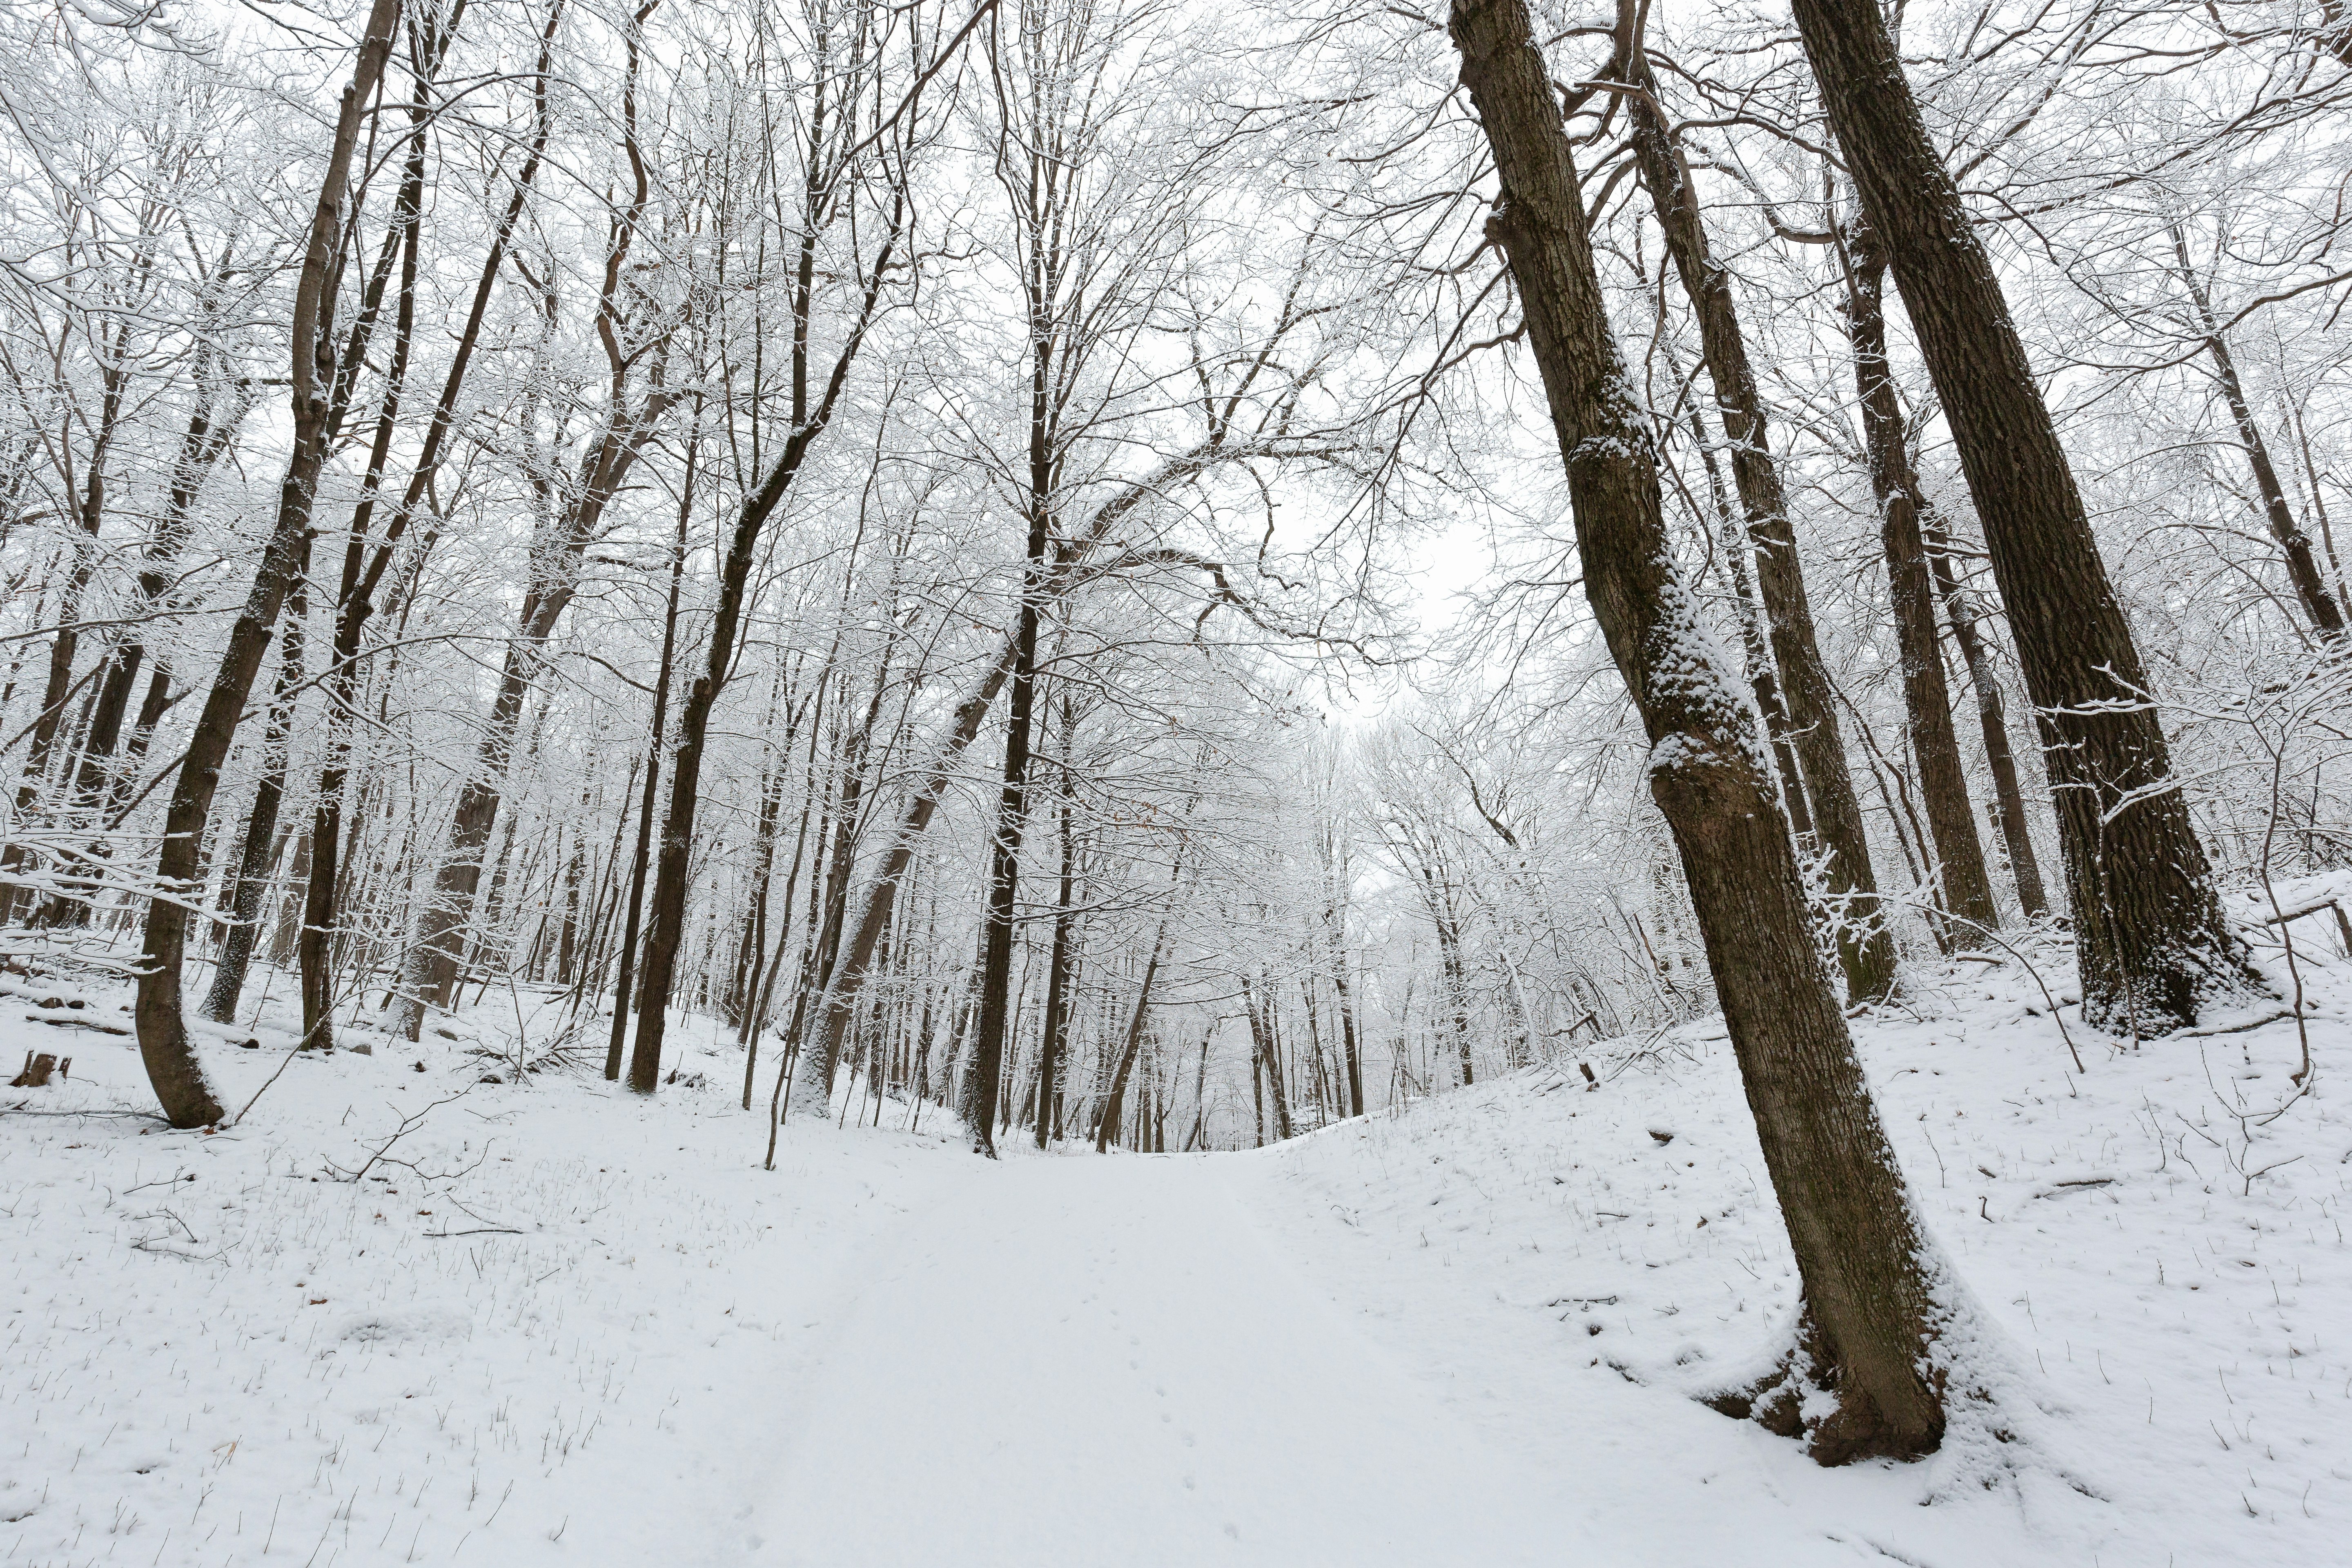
pixel 1081 577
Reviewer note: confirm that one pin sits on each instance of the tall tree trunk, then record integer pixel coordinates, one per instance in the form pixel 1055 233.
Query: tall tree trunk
pixel 251 883
pixel 1334 928
pixel 2008 805
pixel 1865 945
pixel 351 616
pixel 2301 566
pixel 809 423
pixel 623 986
pixel 1267 1060
pixel 102 780
pixel 1058 966
pixel 1869 1307
pixel 89 512
pixel 875 900
pixel 1926 699
pixel 1011 809
pixel 430 970
pixel 1114 1106
pixel 1762 678
pixel 2150 937
pixel 172 1064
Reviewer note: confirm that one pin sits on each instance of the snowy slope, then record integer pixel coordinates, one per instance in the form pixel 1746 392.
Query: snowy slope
pixel 2169 1274
pixel 216 1352
pixel 572 1327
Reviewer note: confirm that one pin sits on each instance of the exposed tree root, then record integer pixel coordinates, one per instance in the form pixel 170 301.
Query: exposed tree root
pixel 1804 1397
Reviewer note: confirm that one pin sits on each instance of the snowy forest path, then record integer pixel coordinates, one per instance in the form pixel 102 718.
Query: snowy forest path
pixel 1102 1361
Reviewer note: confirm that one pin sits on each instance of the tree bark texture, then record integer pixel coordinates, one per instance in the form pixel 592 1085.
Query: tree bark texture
pixel 2150 937
pixel 1966 886
pixel 1868 1295
pixel 1865 945
pixel 171 1060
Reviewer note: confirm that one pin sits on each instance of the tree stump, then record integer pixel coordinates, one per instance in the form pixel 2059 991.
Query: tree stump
pixel 39 1066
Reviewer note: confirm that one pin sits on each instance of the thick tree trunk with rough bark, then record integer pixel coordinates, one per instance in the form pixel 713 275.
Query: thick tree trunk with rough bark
pixel 2150 937
pixel 1869 1305
pixel 1966 886
pixel 1865 946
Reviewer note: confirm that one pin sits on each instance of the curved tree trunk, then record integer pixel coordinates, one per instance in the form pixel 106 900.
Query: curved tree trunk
pixel 1869 1303
pixel 171 1061
pixel 2150 937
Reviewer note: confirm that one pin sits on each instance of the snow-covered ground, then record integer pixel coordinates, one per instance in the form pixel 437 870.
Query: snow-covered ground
pixel 571 1327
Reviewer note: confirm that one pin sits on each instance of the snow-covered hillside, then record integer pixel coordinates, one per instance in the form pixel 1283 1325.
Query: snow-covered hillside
pixel 555 1325
pixel 2164 1266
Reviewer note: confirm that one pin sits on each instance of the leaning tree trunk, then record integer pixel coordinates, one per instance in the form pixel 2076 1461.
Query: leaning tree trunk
pixel 1865 946
pixel 668 928
pixel 1869 1306
pixel 658 733
pixel 431 968
pixel 1926 699
pixel 251 883
pixel 1114 1106
pixel 2150 937
pixel 1763 679
pixel 171 1065
pixel 2301 566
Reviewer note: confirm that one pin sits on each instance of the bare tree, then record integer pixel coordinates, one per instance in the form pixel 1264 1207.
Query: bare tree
pixel 1869 1296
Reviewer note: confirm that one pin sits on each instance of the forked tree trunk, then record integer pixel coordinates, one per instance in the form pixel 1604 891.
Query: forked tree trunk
pixel 1869 1306
pixel 1865 946
pixel 2150 937
pixel 1926 699
pixel 171 1061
